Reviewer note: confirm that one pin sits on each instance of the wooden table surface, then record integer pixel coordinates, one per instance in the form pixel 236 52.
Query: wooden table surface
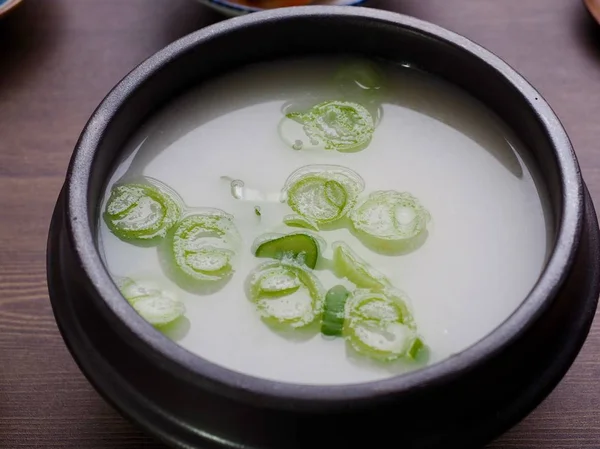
pixel 58 58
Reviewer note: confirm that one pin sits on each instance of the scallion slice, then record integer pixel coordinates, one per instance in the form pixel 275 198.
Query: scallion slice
pixel 298 221
pixel 158 307
pixel 286 293
pixel 389 219
pixel 379 325
pixel 322 193
pixel 347 264
pixel 300 247
pixel 142 211
pixel 204 245
pixel 360 80
pixel 334 311
pixel 339 125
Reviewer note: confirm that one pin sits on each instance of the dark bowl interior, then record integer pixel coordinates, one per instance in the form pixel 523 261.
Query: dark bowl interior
pixel 281 34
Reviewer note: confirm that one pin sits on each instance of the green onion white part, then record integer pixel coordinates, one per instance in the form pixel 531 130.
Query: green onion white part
pixel 338 125
pixel 142 211
pixel 322 193
pixel 286 293
pixel 157 306
pixel 390 218
pixel 205 245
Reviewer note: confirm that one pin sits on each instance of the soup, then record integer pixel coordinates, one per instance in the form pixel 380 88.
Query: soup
pixel 329 221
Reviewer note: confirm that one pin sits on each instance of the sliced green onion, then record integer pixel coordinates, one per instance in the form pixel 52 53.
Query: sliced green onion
pixel 347 264
pixel 386 305
pixel 300 247
pixel 338 125
pixel 415 348
pixel 298 221
pixel 204 245
pixel 359 80
pixel 156 306
pixel 279 283
pixel 334 311
pixel 389 218
pixel 142 211
pixel 286 293
pixel 379 325
pixel 335 194
pixel 322 193
pixel 380 340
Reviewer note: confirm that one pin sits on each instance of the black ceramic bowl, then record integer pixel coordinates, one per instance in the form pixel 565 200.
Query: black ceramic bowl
pixel 186 401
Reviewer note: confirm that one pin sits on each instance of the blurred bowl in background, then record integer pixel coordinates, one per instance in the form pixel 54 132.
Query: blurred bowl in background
pixel 233 8
pixel 593 7
pixel 8 5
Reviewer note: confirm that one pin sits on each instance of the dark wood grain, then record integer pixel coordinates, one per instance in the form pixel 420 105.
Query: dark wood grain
pixel 58 58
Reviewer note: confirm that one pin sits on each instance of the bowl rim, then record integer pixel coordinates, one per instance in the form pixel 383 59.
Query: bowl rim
pixel 239 386
pixel 7 6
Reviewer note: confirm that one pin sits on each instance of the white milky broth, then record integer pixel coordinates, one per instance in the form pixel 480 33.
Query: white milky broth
pixel 486 242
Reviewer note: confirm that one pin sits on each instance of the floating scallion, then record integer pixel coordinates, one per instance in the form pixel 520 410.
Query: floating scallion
pixel 359 80
pixel 338 125
pixel 334 311
pixel 286 293
pixel 347 264
pixel 322 193
pixel 142 211
pixel 379 325
pixel 298 221
pixel 299 247
pixel 158 307
pixel 204 245
pixel 390 219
